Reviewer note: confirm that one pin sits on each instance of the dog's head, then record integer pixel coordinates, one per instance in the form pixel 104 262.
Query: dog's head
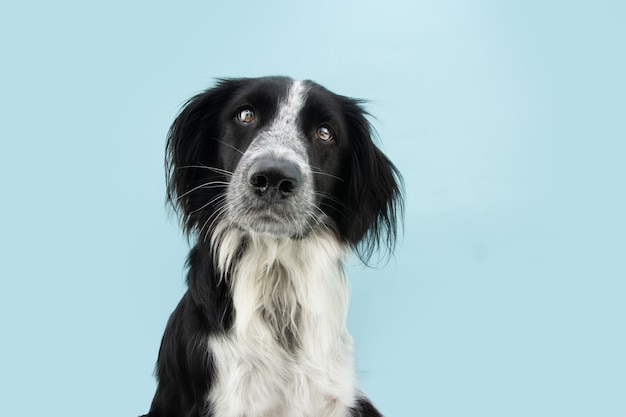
pixel 284 158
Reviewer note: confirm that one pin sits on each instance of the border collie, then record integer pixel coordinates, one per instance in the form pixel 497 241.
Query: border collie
pixel 276 181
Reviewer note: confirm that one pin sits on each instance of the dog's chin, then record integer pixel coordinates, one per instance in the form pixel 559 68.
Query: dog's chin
pixel 274 225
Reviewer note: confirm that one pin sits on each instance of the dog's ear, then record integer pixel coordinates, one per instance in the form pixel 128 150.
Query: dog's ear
pixel 191 146
pixel 373 190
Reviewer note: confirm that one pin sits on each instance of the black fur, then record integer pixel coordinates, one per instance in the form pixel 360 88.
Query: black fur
pixel 361 198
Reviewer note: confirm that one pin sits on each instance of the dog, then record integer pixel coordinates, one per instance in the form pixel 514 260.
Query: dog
pixel 276 182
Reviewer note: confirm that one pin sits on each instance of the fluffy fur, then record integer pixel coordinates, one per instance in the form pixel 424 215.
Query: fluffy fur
pixel 276 182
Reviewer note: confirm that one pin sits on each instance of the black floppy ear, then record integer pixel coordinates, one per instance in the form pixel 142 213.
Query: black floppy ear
pixel 372 192
pixel 191 145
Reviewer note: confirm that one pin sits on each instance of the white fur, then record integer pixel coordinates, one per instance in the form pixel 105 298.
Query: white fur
pixel 257 375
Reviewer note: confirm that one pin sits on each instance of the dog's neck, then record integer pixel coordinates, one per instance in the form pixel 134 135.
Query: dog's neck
pixel 293 289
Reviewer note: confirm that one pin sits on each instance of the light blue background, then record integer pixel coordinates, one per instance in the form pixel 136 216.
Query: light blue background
pixel 506 296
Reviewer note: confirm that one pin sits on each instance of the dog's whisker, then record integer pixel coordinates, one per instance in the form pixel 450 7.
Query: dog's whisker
pixel 211 184
pixel 320 219
pixel 216 215
pixel 333 199
pixel 228 145
pixel 327 175
pixel 214 169
pixel 337 209
pixel 208 203
pixel 215 219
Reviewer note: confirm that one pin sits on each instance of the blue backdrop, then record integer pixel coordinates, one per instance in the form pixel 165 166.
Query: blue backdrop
pixel 506 296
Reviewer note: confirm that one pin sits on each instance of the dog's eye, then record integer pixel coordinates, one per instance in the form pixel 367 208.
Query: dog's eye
pixel 323 133
pixel 246 115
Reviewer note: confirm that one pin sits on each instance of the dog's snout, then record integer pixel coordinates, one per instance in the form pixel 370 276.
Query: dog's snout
pixel 274 178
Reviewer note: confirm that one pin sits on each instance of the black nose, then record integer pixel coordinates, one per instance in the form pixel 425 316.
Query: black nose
pixel 274 178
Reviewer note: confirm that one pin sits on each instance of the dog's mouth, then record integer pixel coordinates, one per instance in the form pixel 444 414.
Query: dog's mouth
pixel 269 215
pixel 274 219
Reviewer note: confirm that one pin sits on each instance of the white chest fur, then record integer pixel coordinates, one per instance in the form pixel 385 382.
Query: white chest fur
pixel 289 353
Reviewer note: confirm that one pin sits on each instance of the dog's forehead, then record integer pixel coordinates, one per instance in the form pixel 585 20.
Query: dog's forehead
pixel 285 91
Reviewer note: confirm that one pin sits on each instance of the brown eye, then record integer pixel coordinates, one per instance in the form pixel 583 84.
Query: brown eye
pixel 324 134
pixel 246 115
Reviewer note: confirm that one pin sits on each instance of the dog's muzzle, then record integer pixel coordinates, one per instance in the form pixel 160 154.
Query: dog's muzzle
pixel 272 190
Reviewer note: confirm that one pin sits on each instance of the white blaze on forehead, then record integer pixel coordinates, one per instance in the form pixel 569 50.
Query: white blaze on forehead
pixel 285 126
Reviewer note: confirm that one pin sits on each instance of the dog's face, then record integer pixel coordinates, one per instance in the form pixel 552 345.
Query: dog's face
pixel 275 187
pixel 280 157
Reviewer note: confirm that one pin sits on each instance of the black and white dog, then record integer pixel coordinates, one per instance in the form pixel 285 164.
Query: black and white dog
pixel 276 182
